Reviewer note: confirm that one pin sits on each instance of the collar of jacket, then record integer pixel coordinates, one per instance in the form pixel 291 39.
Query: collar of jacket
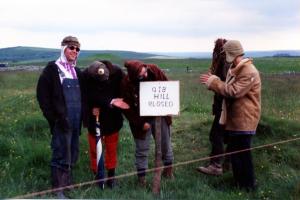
pixel 234 71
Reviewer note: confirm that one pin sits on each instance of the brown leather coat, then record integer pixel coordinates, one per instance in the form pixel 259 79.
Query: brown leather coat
pixel 242 91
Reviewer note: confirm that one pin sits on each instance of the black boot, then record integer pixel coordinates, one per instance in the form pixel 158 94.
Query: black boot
pixel 100 183
pixel 57 182
pixel 111 182
pixel 65 178
pixel 54 177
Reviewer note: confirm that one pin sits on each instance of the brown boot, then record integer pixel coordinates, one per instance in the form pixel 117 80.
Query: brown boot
pixel 168 172
pixel 211 170
pixel 142 181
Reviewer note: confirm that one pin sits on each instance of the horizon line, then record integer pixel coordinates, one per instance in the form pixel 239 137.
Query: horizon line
pixel 184 51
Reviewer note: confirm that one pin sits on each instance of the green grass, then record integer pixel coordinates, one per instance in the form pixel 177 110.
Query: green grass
pixel 25 140
pixel 277 65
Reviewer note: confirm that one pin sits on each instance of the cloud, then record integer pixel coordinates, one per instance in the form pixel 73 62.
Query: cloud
pixel 149 25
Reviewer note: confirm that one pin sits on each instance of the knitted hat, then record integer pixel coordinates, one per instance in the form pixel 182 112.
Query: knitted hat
pixel 70 40
pixel 233 49
pixel 99 70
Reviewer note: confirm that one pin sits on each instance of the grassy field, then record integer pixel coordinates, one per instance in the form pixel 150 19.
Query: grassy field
pixel 25 140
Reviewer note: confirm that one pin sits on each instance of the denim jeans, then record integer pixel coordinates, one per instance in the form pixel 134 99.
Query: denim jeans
pixel 65 143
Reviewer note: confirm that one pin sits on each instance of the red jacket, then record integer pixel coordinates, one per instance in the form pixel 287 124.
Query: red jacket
pixel 130 94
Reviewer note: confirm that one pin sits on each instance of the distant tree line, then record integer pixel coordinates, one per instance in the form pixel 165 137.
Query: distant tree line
pixel 282 55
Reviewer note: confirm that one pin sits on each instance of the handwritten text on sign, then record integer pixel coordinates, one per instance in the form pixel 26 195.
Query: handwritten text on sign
pixel 159 98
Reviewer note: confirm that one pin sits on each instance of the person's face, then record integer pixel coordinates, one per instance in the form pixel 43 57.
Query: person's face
pixel 143 74
pixel 71 53
pixel 237 60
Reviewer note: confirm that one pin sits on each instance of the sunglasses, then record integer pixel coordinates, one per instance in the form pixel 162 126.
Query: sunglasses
pixel 73 47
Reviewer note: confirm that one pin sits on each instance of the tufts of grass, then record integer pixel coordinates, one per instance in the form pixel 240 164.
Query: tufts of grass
pixel 25 141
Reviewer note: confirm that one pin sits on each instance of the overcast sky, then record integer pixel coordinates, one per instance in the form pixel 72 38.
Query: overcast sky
pixel 151 25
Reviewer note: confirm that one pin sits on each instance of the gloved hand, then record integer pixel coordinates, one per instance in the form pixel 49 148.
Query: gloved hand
pixel 63 124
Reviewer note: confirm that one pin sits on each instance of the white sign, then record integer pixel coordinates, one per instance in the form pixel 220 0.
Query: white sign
pixel 159 98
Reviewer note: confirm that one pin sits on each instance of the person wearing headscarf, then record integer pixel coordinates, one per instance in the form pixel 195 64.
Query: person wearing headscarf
pixel 59 97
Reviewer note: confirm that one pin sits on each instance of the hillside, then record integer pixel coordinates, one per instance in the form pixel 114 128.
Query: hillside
pixel 23 55
pixel 39 56
pixel 255 54
pixel 85 61
pixel 17 54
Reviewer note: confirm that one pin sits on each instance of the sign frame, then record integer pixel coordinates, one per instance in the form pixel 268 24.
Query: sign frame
pixel 159 98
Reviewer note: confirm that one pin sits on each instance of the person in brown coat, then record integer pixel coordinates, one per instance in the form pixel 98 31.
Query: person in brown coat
pixel 143 127
pixel 241 109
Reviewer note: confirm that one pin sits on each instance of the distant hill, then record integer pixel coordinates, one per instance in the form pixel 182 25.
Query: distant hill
pixel 184 54
pixel 36 54
pixel 278 53
pixel 17 54
pixel 86 60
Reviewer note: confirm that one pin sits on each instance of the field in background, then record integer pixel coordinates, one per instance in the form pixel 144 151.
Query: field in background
pixel 25 138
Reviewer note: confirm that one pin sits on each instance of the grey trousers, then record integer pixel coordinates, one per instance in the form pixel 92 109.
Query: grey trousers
pixel 142 146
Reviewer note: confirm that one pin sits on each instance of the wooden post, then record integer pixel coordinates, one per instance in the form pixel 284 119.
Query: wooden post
pixel 158 161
